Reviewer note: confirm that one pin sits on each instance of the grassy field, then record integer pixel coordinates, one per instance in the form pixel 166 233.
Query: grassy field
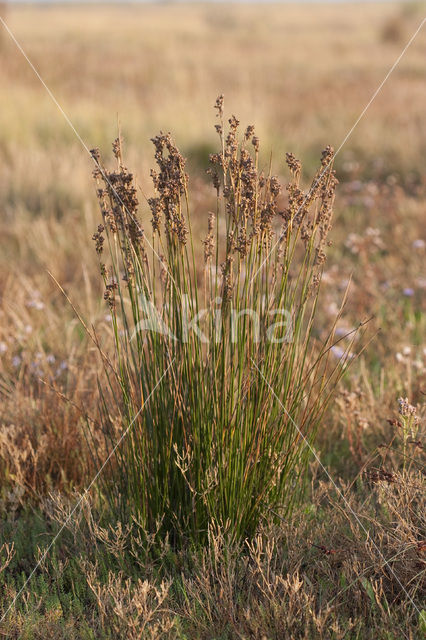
pixel 348 561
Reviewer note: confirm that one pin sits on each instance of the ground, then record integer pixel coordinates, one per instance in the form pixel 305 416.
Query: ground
pixel 303 74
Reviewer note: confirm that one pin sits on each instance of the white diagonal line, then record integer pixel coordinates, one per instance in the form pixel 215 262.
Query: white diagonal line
pixel 68 120
pixel 338 490
pixel 148 398
pixel 80 139
pixel 347 136
pixel 44 84
pixel 380 87
pixel 44 555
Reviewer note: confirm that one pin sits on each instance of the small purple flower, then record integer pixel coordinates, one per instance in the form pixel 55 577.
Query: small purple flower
pixel 36 304
pixel 408 292
pixel 355 185
pixel 63 366
pixel 340 353
pixel 337 351
pixel 342 331
pixel 419 244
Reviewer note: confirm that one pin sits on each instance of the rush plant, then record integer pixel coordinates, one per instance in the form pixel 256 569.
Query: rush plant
pixel 217 374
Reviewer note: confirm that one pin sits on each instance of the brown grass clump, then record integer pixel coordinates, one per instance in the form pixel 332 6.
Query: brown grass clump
pixel 42 443
pixel 394 30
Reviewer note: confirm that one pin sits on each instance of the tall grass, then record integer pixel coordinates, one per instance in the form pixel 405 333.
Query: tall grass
pixel 222 440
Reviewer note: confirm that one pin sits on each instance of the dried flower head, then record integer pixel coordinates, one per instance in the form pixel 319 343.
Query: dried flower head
pixel 170 183
pixel 209 241
pixel 219 105
pixel 407 410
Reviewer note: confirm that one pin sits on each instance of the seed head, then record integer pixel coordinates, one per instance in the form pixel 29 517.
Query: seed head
pixel 219 105
pixel 327 155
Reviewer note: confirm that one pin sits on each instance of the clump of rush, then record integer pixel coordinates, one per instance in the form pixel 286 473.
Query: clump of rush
pixel 221 412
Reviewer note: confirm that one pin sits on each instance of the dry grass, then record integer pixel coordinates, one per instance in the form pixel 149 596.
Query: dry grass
pixel 302 74
pixel 317 575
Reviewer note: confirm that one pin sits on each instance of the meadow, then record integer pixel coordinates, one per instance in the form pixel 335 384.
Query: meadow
pixel 268 490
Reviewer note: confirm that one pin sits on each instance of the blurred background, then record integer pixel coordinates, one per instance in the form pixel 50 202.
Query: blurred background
pixel 302 73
